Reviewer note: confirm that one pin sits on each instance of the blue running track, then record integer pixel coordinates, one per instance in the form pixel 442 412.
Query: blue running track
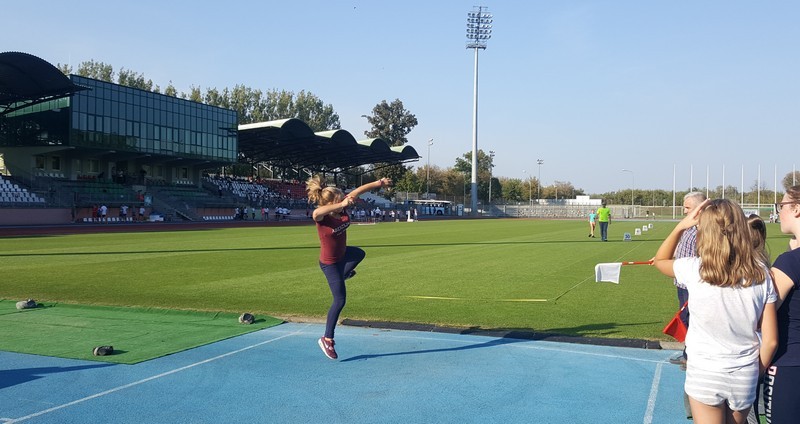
pixel 279 375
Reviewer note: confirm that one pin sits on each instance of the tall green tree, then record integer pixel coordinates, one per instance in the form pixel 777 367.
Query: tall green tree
pixel 214 97
pixel 409 182
pixel 194 95
pixel 485 163
pixel 313 111
pixel 391 122
pixel 455 184
pixel 562 190
pixel 433 178
pixel 96 70
pixel 513 189
pixel 251 105
pixel 64 68
pixel 171 90
pixel 245 101
pixel 134 79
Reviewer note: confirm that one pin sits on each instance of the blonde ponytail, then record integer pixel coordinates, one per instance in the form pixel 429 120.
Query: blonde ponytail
pixel 320 195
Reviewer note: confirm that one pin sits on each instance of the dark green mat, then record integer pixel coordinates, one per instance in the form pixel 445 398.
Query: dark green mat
pixel 137 334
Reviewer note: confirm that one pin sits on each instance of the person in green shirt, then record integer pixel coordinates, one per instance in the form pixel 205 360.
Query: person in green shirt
pixel 604 218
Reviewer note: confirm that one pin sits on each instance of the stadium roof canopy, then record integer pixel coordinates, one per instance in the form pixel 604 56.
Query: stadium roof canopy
pixel 26 80
pixel 291 143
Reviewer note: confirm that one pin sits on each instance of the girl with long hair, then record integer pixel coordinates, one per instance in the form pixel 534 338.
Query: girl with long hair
pixel 732 298
pixel 782 383
pixel 336 259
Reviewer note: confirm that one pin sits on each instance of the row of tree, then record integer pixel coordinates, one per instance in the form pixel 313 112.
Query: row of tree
pixel 251 104
pixel 391 122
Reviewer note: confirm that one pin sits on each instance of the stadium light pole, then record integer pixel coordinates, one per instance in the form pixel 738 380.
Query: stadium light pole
pixel 428 176
pixel 633 184
pixel 362 174
pixel 491 158
pixel 479 29
pixel 539 184
pixel 530 199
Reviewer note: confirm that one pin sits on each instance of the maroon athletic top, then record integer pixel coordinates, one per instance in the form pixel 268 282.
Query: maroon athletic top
pixel 332 238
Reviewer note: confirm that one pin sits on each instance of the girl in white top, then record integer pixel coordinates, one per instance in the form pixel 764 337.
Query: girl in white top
pixel 732 299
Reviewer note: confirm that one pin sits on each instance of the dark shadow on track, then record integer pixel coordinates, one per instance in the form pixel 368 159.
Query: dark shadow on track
pixel 490 343
pixel 562 335
pixel 10 378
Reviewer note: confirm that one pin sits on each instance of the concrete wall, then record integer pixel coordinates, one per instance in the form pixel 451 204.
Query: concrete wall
pixel 10 216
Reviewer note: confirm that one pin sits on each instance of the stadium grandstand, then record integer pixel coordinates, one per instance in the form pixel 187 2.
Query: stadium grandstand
pixel 70 146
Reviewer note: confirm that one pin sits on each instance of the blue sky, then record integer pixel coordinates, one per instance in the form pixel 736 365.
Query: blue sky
pixel 590 87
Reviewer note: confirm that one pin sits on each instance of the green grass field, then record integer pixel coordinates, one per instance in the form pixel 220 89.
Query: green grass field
pixel 490 274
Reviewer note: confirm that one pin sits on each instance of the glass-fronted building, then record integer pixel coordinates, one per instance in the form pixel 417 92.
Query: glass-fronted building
pixel 111 130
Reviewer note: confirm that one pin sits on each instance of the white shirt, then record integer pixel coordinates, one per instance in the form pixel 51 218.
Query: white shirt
pixel 723 329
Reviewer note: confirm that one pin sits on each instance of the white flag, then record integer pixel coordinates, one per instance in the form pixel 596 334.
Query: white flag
pixel 608 272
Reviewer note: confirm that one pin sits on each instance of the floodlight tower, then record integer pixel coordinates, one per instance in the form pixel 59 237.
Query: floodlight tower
pixel 428 173
pixel 539 184
pixel 491 161
pixel 530 198
pixel 479 30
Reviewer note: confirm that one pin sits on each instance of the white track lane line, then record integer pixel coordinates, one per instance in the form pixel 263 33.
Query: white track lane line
pixel 651 401
pixel 136 383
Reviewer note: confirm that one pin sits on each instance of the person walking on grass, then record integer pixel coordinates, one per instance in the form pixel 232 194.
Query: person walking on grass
pixel 732 299
pixel 604 217
pixel 336 259
pixel 592 223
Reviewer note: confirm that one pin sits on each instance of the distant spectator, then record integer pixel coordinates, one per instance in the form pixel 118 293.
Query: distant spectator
pixel 604 218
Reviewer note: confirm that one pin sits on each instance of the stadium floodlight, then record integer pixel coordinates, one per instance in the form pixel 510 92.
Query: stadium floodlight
pixel 530 199
pixel 539 184
pixel 428 172
pixel 479 29
pixel 491 161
